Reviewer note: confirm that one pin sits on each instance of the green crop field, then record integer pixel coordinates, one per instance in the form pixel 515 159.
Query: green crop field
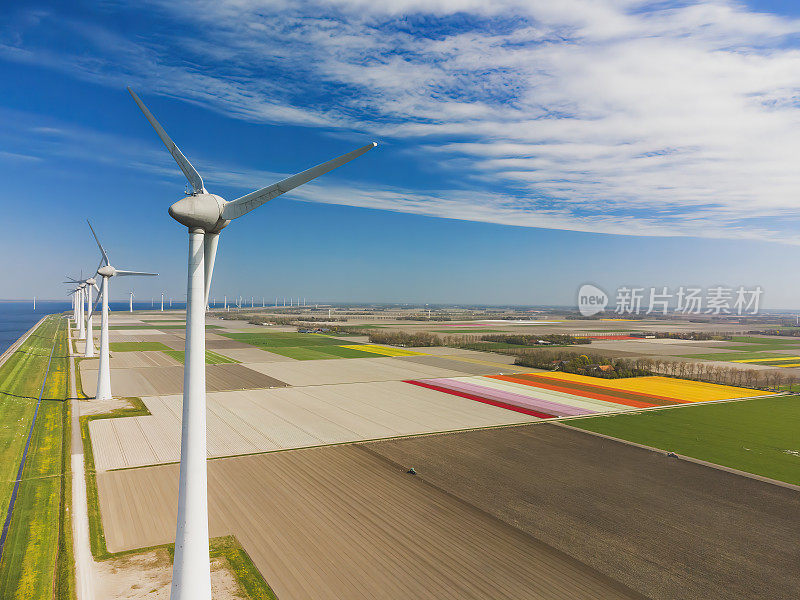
pixel 138 346
pixel 760 436
pixel 766 340
pixel 320 352
pixel 734 356
pixel 301 346
pixel 212 358
pixel 37 558
pixel 278 339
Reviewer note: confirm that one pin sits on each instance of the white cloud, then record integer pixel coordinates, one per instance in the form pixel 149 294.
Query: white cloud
pixel 591 115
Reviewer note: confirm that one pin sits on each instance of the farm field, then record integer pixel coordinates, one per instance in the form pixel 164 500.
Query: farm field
pixel 557 394
pixel 383 350
pixel 165 380
pixel 765 358
pixel 212 358
pixel 669 529
pixel 759 436
pixel 155 325
pixel 314 530
pixel 37 556
pixel 137 346
pixel 251 421
pixel 305 346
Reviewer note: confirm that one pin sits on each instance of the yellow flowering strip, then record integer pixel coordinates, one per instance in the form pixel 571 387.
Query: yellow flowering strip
pixel 383 350
pixel 666 387
pixel 755 360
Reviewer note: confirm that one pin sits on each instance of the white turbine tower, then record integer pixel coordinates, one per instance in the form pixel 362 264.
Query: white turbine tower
pixel 130 302
pixel 90 308
pixel 205 215
pixel 80 294
pixel 162 301
pixel 81 322
pixel 106 271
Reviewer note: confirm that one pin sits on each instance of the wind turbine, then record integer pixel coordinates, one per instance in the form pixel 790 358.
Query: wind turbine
pixel 106 271
pixel 130 302
pixel 162 301
pixel 205 216
pixel 81 293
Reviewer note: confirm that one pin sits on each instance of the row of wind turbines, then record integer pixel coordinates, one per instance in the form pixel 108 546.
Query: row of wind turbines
pixel 83 294
pixel 204 215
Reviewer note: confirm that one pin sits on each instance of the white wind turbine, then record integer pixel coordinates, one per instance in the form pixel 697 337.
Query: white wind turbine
pixel 80 294
pixel 205 215
pixel 130 302
pixel 106 271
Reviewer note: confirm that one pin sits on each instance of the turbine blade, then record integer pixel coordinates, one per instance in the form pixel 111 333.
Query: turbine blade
pixel 99 245
pixel 245 204
pixel 188 170
pixel 210 241
pixel 126 273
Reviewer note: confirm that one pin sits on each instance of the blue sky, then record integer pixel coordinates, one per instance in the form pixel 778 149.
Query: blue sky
pixel 526 148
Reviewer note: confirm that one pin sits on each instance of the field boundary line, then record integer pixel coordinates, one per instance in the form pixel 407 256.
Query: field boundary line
pixel 690 459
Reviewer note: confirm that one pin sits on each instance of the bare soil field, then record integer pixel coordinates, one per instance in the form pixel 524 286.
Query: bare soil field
pixel 484 364
pixel 249 421
pixel 162 381
pixel 670 529
pixel 353 370
pixel 149 576
pixel 333 523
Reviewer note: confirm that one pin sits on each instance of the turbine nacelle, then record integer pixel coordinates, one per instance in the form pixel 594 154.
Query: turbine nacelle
pixel 107 271
pixel 91 281
pixel 200 211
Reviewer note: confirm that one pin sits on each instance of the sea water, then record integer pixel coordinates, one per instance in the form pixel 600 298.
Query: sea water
pixel 17 317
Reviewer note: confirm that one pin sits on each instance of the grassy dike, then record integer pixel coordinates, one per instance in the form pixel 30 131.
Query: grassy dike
pixel 248 576
pixel 37 559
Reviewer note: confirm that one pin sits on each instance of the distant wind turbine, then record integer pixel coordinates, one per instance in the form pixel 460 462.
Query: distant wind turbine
pixel 130 302
pixel 88 351
pixel 205 216
pixel 106 271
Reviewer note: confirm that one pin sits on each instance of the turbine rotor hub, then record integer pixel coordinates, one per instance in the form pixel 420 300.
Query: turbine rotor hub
pixel 200 211
pixel 107 271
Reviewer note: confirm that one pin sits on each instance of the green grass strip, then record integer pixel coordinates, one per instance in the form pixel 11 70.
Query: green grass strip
pixel 288 340
pixel 758 436
pixel 138 346
pixel 37 560
pixel 212 358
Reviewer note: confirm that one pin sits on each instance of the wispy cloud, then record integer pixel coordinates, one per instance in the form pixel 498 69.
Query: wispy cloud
pixel 613 116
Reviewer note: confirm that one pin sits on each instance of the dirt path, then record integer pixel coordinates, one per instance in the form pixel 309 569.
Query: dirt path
pixel 84 563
